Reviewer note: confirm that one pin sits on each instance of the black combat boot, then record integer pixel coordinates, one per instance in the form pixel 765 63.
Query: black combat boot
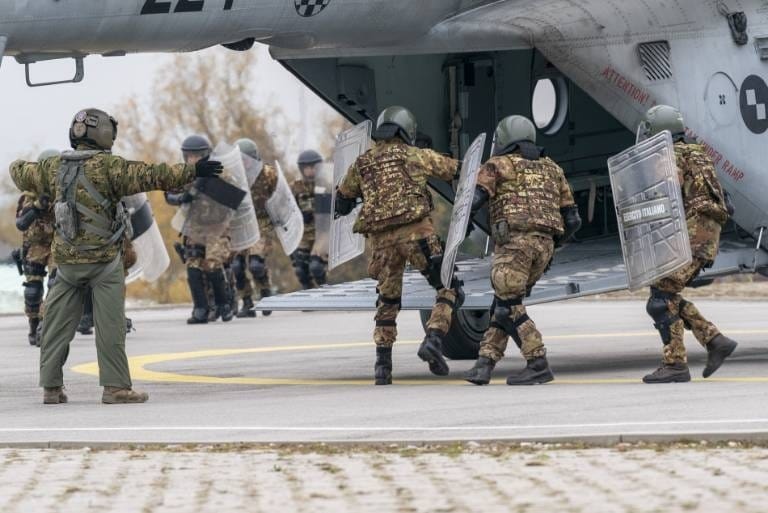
pixel 480 374
pixel 266 293
pixel 247 309
pixel 32 336
pixel 431 351
pixel 86 321
pixel 199 296
pixel 219 286
pixel 669 373
pixel 718 349
pixel 536 372
pixel 383 367
pixel 129 325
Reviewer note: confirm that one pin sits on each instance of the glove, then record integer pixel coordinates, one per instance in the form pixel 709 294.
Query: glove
pixel 470 229
pixel 206 168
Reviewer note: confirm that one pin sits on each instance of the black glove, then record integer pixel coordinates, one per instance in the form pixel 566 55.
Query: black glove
pixel 470 228
pixel 206 168
pixel 344 206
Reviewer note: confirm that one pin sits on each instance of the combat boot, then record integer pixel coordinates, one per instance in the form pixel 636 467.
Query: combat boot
pixel 480 374
pixel 117 395
pixel 431 351
pixel 219 286
pixel 85 327
pixel 54 395
pixel 383 367
pixel 669 373
pixel 199 297
pixel 129 325
pixel 225 312
pixel 199 316
pixel 32 336
pixel 536 372
pixel 266 293
pixel 718 349
pixel 213 314
pixel 247 309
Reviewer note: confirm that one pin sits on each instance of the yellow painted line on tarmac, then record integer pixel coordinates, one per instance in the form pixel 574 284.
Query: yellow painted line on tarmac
pixel 139 371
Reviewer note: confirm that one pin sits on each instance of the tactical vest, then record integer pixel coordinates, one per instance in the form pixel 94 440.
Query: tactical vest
pixel 702 192
pixel 393 194
pixel 527 195
pixel 72 216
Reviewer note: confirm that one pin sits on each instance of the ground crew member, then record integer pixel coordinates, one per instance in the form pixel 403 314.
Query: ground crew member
pixel 87 186
pixel 310 268
pixel 532 209
pixel 391 180
pixel 34 218
pixel 205 263
pixel 706 211
pixel 254 260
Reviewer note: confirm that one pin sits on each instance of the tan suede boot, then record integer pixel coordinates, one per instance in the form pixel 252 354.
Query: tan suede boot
pixel 115 395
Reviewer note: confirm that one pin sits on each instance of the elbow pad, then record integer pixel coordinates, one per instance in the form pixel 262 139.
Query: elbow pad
pixel 26 218
pixel 344 206
pixel 572 221
pixel 480 198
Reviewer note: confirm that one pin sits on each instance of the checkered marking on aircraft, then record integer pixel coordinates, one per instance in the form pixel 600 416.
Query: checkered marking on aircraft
pixel 752 102
pixel 307 8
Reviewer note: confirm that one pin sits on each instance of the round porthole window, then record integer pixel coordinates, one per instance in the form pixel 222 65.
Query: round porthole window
pixel 550 104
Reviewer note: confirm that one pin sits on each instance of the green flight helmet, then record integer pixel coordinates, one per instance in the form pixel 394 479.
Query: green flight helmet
pixel 93 128
pixel 249 147
pixel 396 121
pixel 197 146
pixel 512 131
pixel 660 118
pixel 49 153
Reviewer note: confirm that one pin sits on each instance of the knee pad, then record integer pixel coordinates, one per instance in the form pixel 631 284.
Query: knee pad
pixel 392 301
pixel 238 271
pixel 34 269
pixel 658 309
pixel 317 268
pixel 258 267
pixel 432 272
pixel 33 293
pixel 503 318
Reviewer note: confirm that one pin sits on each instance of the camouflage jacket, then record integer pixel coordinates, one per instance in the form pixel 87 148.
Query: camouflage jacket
pixel 702 193
pixel 391 178
pixel 526 194
pixel 263 189
pixel 304 192
pixel 113 177
pixel 41 230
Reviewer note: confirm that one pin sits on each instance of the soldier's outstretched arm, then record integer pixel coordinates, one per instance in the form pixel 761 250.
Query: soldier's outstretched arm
pixel 29 177
pixel 438 165
pixel 132 177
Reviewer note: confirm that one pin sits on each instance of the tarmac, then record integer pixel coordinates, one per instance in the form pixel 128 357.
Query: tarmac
pixel 307 377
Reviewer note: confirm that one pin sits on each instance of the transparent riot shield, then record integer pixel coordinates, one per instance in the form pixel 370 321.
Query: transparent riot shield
pixel 209 216
pixel 462 207
pixel 323 206
pixel 244 227
pixel 151 255
pixel 649 205
pixel 253 168
pixel 285 214
pixel 344 243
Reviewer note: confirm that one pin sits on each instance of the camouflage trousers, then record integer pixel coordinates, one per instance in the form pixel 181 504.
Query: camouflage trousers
pixel 36 259
pixel 216 254
pixel 517 266
pixel 249 281
pixel 684 314
pixel 387 266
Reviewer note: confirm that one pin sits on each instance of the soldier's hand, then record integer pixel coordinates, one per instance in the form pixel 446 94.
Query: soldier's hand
pixel 206 168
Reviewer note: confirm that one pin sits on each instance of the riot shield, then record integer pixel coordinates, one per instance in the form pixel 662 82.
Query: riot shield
pixel 151 256
pixel 208 217
pixel 649 206
pixel 323 213
pixel 285 214
pixel 462 207
pixel 244 227
pixel 344 244
pixel 253 168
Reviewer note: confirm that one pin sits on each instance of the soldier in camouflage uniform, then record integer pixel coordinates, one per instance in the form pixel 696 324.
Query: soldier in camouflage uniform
pixel 205 263
pixel 88 185
pixel 254 260
pixel 391 180
pixel 310 267
pixel 706 210
pixel 532 209
pixel 34 218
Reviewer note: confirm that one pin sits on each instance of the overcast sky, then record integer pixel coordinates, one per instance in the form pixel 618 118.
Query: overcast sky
pixel 38 118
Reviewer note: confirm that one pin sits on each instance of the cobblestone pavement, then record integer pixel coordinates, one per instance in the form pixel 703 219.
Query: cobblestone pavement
pixel 472 478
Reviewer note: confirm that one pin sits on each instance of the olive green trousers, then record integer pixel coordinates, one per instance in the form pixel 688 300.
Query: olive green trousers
pixel 64 307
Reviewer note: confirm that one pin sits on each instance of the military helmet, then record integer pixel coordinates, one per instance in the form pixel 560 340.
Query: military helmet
pixel 660 118
pixel 46 154
pixel 513 130
pixel 396 121
pixel 196 145
pixel 93 127
pixel 309 158
pixel 249 147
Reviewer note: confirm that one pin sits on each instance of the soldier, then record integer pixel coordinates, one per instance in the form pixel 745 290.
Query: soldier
pixel 34 218
pixel 532 210
pixel 254 260
pixel 391 180
pixel 205 263
pixel 87 185
pixel 310 268
pixel 706 210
